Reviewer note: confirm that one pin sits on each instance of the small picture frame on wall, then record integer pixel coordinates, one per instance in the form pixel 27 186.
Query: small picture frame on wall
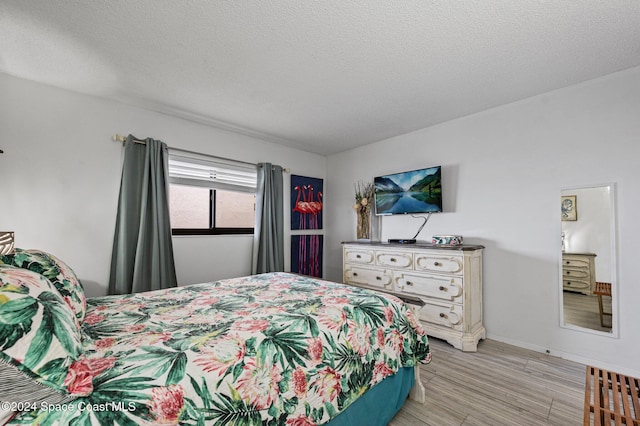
pixel 569 207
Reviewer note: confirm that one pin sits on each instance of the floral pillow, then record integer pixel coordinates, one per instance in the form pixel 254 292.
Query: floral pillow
pixel 61 275
pixel 39 342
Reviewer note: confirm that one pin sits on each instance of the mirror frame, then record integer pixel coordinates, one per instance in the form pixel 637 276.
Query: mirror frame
pixel 615 284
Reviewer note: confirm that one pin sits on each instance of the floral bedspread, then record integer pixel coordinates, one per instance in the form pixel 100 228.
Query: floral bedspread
pixel 267 349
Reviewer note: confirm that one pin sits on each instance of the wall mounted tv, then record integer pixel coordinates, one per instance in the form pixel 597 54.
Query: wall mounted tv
pixel 416 191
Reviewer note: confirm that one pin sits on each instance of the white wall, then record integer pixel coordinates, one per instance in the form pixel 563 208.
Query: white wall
pixel 60 177
pixel 502 174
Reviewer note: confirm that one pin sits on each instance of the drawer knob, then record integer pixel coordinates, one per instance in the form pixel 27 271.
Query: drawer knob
pixel 393 259
pixel 568 272
pixel 443 315
pixel 358 256
pixel 355 274
pixel 379 278
pixel 409 283
pixel 442 288
pixel 437 264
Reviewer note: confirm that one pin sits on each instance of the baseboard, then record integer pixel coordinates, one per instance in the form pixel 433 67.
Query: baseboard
pixel 566 355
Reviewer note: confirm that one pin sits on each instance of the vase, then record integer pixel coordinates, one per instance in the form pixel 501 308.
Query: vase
pixel 363 230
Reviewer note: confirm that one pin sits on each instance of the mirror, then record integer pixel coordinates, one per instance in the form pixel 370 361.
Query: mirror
pixel 588 284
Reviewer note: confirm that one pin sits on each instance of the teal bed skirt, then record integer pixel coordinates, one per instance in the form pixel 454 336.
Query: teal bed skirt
pixel 380 403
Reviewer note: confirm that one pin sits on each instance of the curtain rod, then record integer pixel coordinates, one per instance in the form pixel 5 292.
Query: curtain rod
pixel 120 138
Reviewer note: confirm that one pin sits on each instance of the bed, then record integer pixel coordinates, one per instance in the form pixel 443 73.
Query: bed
pixel 272 349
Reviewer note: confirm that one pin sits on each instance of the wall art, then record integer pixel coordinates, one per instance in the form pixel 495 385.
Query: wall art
pixel 306 202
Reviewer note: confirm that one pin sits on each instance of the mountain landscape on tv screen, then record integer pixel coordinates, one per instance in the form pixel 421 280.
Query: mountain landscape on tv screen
pixel 401 193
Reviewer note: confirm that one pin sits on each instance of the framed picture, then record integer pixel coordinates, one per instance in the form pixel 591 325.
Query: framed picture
pixel 306 202
pixel 306 255
pixel 569 207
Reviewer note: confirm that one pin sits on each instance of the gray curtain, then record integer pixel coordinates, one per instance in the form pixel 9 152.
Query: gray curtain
pixel 142 256
pixel 268 239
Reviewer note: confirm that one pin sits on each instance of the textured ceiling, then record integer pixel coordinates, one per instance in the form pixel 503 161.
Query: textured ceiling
pixel 323 76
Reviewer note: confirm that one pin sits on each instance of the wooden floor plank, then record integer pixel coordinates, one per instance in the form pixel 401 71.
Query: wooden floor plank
pixel 498 385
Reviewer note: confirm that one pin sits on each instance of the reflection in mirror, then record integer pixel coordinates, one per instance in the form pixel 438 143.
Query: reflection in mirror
pixel 588 285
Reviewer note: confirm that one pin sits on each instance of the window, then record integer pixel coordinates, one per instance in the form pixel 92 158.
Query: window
pixel 210 196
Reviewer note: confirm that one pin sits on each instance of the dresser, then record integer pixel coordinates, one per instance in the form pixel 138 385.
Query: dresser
pixel 579 272
pixel 448 279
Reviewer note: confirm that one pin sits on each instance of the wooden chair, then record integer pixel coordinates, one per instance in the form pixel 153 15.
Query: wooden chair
pixel 602 289
pixel 612 399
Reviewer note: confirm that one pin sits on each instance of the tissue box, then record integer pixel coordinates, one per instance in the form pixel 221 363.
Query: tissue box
pixel 451 240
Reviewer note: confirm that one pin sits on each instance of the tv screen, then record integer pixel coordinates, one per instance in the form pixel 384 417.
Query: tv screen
pixel 416 191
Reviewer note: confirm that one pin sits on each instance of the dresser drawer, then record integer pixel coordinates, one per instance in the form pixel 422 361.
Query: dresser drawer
pixel 574 284
pixel 447 315
pixel 374 278
pixel 442 287
pixel 443 264
pixel 569 262
pixel 394 259
pixel 362 256
pixel 575 273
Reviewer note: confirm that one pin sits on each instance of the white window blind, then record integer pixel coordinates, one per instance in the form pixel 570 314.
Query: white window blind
pixel 210 172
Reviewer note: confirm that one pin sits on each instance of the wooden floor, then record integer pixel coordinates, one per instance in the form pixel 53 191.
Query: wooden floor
pixel 498 385
pixel 582 310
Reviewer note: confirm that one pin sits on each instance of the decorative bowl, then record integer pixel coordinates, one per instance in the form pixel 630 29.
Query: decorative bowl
pixel 450 240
